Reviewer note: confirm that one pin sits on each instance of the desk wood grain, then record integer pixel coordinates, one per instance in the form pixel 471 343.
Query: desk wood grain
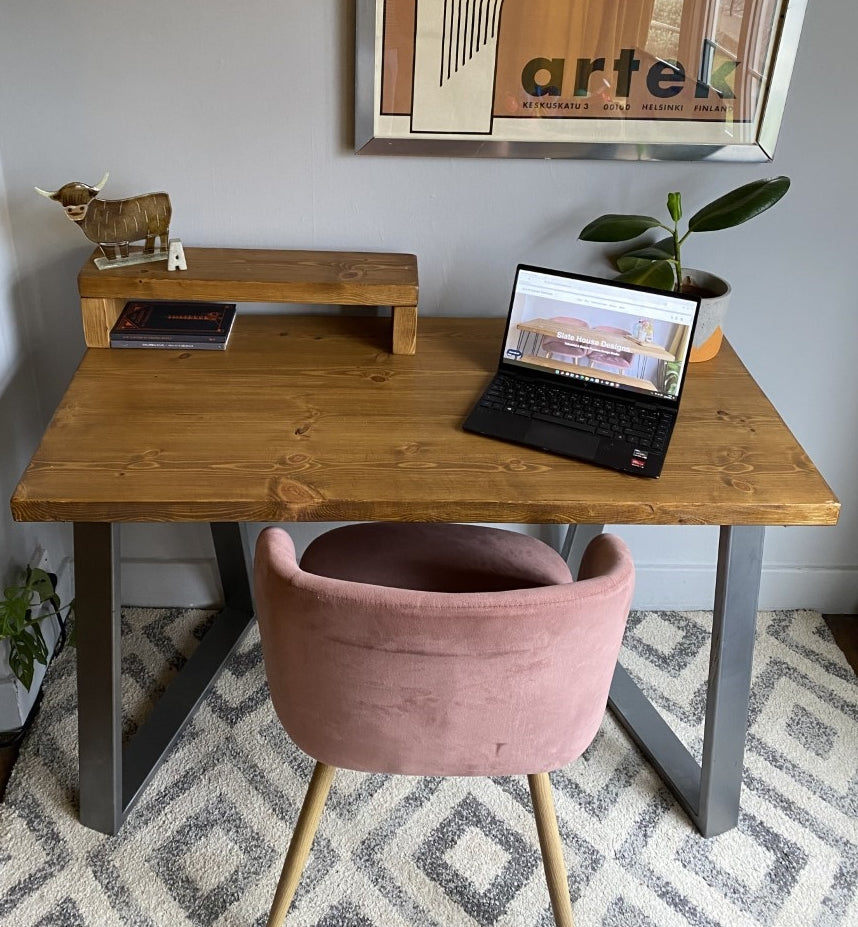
pixel 313 419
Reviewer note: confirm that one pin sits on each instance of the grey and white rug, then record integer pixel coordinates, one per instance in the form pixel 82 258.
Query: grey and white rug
pixel 205 845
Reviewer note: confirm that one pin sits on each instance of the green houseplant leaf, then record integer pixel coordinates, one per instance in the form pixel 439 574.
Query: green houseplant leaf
pixel 612 227
pixel 25 651
pixel 660 251
pixel 739 206
pixel 22 609
pixel 657 274
pixel 674 206
pixel 659 264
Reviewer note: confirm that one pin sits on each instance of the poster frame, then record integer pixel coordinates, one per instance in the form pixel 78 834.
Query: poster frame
pixel 372 136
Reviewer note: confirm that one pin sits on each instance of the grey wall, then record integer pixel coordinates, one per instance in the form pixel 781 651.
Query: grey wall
pixel 24 370
pixel 243 112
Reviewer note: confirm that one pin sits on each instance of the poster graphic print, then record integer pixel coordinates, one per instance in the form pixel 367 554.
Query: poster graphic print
pixel 678 72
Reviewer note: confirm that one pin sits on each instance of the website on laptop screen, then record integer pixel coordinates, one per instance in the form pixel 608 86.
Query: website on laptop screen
pixel 599 332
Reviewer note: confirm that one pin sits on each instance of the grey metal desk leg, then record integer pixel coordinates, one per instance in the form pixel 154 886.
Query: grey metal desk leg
pixel 737 593
pixel 234 561
pixel 709 792
pixel 575 543
pixel 112 778
pixel 97 600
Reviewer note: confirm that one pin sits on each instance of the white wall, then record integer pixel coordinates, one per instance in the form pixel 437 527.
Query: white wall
pixel 243 112
pixel 22 412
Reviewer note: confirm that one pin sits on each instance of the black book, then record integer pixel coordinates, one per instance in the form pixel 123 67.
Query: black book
pixel 178 325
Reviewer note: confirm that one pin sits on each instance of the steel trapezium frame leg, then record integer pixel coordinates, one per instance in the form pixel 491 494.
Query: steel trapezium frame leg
pixel 99 696
pixel 113 778
pixel 575 543
pixel 710 791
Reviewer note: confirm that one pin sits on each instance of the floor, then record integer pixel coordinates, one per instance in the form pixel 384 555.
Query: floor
pixel 7 761
pixel 843 627
pixel 845 631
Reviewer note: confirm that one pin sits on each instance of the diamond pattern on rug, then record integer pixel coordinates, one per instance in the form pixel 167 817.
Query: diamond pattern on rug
pixel 209 858
pixel 206 842
pixel 760 889
pixel 667 640
pixel 813 734
pixel 477 859
pixel 804 725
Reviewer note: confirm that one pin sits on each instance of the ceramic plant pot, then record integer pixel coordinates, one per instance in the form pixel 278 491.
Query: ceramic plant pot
pixel 715 297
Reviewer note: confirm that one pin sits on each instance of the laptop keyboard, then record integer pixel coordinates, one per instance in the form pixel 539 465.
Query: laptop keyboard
pixel 646 428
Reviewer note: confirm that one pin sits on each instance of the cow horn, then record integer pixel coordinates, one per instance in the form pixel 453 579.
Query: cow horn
pixel 100 185
pixel 41 192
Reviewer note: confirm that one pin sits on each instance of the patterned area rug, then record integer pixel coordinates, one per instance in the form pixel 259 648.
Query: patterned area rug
pixel 205 845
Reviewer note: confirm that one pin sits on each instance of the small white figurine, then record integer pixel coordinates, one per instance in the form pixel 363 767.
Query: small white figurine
pixel 176 257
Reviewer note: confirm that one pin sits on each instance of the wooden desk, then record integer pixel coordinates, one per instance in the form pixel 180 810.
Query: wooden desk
pixel 313 419
pixel 345 278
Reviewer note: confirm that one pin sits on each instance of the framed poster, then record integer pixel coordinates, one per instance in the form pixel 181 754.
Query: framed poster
pixel 633 79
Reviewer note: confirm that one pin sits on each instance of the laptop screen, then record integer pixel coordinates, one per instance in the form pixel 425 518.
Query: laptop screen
pixel 603 332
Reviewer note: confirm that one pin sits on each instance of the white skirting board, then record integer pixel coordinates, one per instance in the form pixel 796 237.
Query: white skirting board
pixel 682 587
pixel 172 564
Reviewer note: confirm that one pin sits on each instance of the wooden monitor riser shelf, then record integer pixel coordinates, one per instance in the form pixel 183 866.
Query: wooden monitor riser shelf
pixel 330 278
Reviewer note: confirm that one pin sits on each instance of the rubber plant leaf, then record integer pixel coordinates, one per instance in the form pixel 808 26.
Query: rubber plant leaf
pixel 614 227
pixel 674 206
pixel 639 256
pixel 738 206
pixel 657 274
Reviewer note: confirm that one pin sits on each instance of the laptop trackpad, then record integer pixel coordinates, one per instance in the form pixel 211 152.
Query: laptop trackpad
pixel 561 439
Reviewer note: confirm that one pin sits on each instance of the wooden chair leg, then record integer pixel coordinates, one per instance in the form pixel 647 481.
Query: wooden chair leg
pixel 302 840
pixel 552 848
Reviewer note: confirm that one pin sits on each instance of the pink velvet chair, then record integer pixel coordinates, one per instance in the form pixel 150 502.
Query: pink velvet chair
pixel 438 650
pixel 610 357
pixel 565 349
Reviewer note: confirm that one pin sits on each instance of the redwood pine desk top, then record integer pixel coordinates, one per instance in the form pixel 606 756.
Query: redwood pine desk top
pixel 313 419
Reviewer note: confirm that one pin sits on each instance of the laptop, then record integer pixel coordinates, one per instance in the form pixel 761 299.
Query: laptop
pixel 589 368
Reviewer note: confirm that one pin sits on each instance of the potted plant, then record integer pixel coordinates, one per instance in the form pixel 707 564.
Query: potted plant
pixel 31 623
pixel 659 264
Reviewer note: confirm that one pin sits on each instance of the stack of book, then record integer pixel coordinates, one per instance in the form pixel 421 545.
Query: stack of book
pixel 188 326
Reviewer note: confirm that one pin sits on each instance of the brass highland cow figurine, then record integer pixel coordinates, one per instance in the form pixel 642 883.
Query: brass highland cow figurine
pixel 114 224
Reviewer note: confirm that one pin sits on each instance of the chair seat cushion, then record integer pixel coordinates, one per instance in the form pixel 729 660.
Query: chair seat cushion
pixel 435 557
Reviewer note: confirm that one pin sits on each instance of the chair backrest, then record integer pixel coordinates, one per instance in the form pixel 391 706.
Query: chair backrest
pixel 399 680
